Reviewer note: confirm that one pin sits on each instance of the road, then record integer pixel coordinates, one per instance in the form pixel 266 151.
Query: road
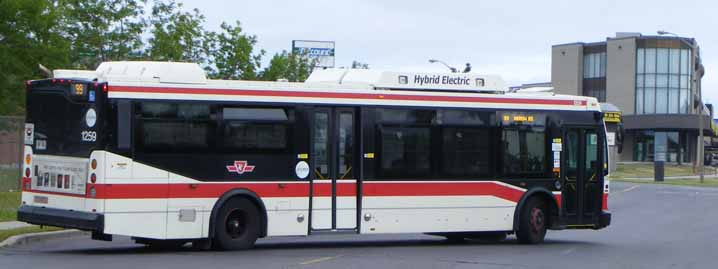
pixel 654 226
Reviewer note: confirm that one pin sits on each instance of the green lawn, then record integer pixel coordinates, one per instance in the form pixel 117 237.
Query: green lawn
pixel 9 179
pixel 646 170
pixel 9 202
pixel 5 234
pixel 682 182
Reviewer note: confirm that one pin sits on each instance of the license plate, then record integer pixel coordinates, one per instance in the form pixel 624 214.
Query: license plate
pixel 40 199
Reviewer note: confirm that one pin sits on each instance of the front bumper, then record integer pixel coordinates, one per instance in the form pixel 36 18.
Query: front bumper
pixel 61 218
pixel 604 220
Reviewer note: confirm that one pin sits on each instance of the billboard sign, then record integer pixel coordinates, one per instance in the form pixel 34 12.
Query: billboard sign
pixel 320 52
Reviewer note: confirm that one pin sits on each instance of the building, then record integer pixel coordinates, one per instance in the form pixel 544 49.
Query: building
pixel 654 80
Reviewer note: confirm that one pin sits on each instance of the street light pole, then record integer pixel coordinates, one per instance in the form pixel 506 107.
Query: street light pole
pixel 700 143
pixel 453 70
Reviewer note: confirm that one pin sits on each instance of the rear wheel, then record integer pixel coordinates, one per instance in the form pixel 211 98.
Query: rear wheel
pixel 237 225
pixel 532 222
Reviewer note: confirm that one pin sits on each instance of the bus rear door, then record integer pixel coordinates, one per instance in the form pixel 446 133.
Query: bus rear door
pixel 334 173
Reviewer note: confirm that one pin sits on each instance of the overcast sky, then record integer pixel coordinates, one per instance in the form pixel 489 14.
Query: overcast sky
pixel 508 38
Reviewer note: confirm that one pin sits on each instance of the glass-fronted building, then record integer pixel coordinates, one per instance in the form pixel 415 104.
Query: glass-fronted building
pixel 654 80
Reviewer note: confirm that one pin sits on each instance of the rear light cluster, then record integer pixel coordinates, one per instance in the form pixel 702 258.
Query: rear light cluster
pixel 26 182
pixel 93 178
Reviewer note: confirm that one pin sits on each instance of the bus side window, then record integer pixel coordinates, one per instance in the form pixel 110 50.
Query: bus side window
pixel 124 124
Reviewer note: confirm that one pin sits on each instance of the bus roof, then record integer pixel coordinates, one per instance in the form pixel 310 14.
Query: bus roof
pixel 188 81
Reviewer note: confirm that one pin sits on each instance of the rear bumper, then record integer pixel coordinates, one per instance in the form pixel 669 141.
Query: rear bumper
pixel 61 218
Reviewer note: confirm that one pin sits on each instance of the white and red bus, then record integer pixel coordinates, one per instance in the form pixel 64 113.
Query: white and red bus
pixel 158 152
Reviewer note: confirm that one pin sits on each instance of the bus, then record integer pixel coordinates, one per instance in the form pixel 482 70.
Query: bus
pixel 158 152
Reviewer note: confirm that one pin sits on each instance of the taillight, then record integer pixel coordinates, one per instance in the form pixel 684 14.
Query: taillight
pixel 93 178
pixel 28 159
pixel 93 192
pixel 27 172
pixel 93 164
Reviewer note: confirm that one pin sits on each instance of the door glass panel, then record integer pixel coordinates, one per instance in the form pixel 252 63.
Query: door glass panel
pixel 321 142
pixel 591 174
pixel 571 170
pixel 346 143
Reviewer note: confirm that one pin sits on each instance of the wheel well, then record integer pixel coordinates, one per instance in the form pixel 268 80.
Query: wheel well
pixel 544 195
pixel 244 193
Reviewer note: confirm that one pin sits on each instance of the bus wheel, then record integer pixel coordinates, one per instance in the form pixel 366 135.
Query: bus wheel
pixel 532 222
pixel 237 225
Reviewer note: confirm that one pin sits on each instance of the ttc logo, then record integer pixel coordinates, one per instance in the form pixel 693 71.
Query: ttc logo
pixel 240 167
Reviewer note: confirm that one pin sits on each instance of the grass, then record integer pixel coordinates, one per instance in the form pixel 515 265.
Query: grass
pixel 9 202
pixel 643 170
pixel 712 182
pixel 5 234
pixel 9 179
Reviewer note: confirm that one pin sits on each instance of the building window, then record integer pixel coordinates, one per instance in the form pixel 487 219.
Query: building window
pixel 676 144
pixel 594 65
pixel 662 80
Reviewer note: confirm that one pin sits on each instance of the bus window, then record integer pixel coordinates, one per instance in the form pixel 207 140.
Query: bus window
pixel 405 151
pixel 524 152
pixel 255 128
pixel 466 152
pixel 171 127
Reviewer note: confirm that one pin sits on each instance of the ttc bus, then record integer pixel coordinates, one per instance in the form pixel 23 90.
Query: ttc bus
pixel 158 152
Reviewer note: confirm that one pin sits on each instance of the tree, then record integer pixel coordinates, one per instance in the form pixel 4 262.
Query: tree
pixel 290 66
pixel 232 53
pixel 30 34
pixel 103 30
pixel 177 35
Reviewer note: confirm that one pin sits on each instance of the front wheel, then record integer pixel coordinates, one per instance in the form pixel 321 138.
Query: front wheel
pixel 237 225
pixel 532 222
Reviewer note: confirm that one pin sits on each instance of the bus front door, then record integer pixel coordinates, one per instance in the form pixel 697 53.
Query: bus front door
pixel 581 176
pixel 334 173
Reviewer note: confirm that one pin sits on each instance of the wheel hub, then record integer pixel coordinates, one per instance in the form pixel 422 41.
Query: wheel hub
pixel 537 220
pixel 235 224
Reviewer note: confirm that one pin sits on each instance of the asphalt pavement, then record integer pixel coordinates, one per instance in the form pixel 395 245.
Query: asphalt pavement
pixel 653 226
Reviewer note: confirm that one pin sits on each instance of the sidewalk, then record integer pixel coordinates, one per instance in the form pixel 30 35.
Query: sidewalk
pixel 8 225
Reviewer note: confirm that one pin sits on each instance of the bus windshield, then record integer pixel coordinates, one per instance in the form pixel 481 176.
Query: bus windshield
pixel 64 118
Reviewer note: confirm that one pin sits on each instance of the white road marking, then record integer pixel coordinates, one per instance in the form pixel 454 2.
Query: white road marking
pixel 318 260
pixel 568 251
pixel 630 188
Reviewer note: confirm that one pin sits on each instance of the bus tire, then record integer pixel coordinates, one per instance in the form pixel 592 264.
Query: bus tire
pixel 532 222
pixel 237 225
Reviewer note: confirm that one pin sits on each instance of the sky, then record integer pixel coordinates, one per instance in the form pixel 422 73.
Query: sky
pixel 509 38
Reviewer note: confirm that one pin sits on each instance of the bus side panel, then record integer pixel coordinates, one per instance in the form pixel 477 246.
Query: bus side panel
pixel 135 205
pixel 409 213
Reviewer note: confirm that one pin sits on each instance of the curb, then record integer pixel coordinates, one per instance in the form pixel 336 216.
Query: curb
pixel 23 239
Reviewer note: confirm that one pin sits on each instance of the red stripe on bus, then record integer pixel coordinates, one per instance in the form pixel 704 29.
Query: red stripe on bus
pixel 324 189
pixel 300 189
pixel 604 203
pixel 442 189
pixel 340 95
pixel 557 197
